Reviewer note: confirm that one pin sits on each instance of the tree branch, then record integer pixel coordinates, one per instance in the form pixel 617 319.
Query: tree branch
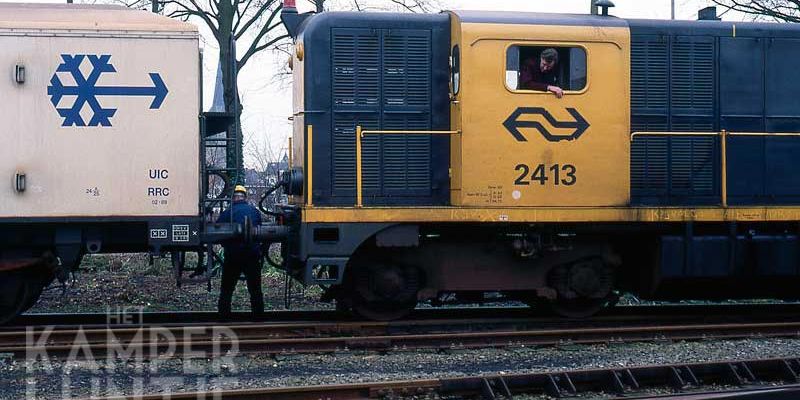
pixel 257 16
pixel 240 12
pixel 205 16
pixel 255 49
pixel 403 5
pixel 265 29
pixel 414 6
pixel 214 7
pixel 184 11
pixel 780 10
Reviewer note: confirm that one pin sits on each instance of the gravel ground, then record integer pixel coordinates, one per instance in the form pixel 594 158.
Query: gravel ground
pixel 56 379
pixel 120 280
pixel 109 281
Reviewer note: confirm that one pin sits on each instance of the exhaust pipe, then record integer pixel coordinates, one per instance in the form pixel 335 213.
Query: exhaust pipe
pixel 291 19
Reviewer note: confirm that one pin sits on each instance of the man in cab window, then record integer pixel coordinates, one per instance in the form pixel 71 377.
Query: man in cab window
pixel 540 73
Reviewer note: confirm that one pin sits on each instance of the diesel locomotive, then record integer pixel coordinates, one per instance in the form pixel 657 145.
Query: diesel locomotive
pixel 420 168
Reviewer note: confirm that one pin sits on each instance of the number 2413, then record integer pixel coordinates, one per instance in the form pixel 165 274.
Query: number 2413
pixel 557 173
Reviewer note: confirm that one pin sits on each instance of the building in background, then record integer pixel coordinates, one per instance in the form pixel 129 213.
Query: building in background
pixel 258 182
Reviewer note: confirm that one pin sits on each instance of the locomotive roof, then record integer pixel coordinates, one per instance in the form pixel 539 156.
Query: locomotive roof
pixel 86 17
pixel 533 18
pixel 654 26
pixel 718 28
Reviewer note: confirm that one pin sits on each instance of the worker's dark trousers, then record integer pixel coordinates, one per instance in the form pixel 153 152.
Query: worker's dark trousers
pixel 234 266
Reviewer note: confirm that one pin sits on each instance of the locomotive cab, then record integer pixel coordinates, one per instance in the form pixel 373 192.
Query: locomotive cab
pixel 521 147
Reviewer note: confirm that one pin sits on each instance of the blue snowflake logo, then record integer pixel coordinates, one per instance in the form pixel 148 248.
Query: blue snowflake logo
pixel 87 91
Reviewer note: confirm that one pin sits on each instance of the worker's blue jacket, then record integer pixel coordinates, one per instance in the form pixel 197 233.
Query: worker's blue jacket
pixel 241 209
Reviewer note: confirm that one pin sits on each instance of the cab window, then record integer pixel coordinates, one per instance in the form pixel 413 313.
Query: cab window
pixel 533 68
pixel 455 70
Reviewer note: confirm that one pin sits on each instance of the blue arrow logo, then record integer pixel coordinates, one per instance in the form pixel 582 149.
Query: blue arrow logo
pixel 87 91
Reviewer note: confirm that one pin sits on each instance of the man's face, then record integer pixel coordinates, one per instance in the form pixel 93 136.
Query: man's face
pixel 546 66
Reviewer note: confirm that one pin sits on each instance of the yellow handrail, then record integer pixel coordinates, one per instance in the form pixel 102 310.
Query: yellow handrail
pixel 644 133
pixel 764 133
pixel 723 134
pixel 723 175
pixel 360 133
pixel 289 151
pixel 310 162
pixel 291 157
pixel 364 133
pixel 635 134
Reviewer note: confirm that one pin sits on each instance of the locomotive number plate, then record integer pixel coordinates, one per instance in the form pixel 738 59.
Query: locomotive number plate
pixel 543 174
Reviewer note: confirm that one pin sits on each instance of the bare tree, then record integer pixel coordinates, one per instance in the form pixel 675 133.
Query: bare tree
pixel 778 10
pixel 261 155
pixel 250 25
pixel 255 26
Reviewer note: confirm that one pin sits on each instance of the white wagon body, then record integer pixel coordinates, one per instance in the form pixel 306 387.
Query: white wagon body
pixel 99 113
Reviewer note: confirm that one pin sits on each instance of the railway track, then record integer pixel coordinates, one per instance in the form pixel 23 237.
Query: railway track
pixel 755 379
pixel 320 337
pixel 616 314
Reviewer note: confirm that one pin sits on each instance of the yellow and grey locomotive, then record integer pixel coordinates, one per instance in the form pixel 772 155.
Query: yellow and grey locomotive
pixel 426 166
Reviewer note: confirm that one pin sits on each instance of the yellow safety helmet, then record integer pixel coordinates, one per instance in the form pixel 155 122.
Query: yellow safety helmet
pixel 240 189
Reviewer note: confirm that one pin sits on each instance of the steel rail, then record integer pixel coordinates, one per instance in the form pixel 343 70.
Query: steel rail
pixel 53 335
pixel 782 392
pixel 137 319
pixel 155 343
pixel 621 381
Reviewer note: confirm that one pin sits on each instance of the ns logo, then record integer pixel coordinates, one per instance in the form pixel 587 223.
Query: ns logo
pixel 88 93
pixel 513 124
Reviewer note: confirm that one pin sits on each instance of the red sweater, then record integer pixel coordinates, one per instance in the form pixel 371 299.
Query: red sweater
pixel 532 78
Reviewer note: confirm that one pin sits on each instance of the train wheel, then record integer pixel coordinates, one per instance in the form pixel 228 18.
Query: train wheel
pixel 342 306
pixel 384 292
pixel 584 288
pixel 22 282
pixel 34 292
pixel 35 288
pixel 15 294
pixel 383 311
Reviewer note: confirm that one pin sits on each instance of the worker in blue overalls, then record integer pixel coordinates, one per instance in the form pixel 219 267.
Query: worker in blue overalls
pixel 241 257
